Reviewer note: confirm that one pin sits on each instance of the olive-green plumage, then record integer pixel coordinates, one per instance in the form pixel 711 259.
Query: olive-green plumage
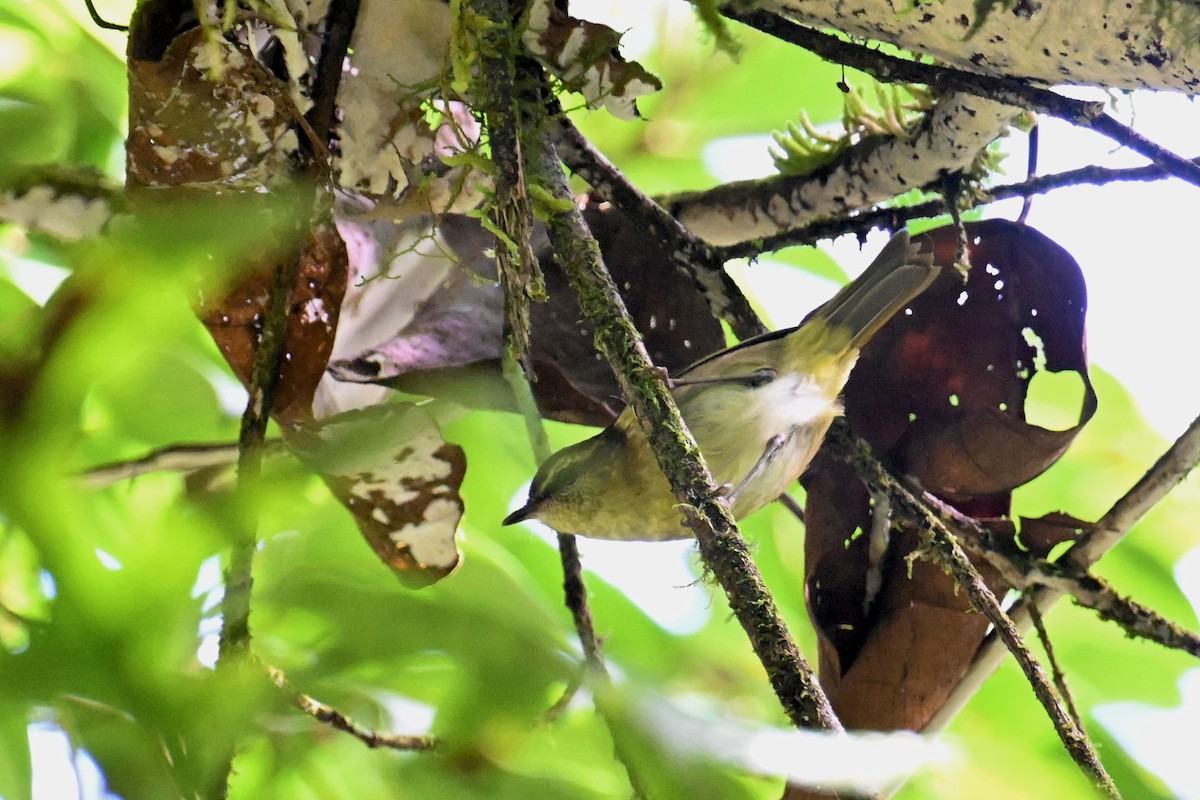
pixel 758 411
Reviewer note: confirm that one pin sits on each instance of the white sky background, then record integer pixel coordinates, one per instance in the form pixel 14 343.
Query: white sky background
pixel 1137 246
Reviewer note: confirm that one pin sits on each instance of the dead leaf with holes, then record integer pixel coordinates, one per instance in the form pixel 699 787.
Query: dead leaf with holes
pixel 940 393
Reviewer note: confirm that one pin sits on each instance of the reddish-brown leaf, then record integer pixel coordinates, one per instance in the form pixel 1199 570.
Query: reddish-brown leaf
pixel 235 321
pixel 206 116
pixel 940 394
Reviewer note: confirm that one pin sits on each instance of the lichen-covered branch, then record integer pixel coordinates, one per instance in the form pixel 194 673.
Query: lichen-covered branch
pixel 947 140
pixel 1002 89
pixel 721 546
pixel 893 218
pixel 1093 42
pixel 691 254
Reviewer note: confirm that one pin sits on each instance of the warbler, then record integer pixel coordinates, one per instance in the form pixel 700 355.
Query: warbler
pixel 758 411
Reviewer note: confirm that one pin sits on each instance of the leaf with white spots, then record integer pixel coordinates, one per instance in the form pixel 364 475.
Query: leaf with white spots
pixel 391 468
pixel 207 113
pixel 585 56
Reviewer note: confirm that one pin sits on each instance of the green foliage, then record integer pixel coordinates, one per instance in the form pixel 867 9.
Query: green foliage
pixel 103 621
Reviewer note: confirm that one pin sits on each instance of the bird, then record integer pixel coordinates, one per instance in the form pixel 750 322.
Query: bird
pixel 758 411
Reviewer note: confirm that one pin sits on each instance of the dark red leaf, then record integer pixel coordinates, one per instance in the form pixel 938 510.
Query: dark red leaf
pixel 940 394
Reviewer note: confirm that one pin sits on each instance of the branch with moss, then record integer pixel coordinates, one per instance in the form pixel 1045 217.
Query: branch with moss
pixel 1168 472
pixel 721 546
pixel 1027 574
pixel 942 545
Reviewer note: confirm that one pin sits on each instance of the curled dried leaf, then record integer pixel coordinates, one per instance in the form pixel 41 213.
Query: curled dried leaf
pixel 586 58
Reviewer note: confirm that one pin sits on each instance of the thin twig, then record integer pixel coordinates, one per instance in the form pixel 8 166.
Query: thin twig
pixel 574 589
pixel 1060 677
pixel 574 684
pixel 340 22
pixel 520 279
pixel 951 555
pixel 689 252
pixel 180 458
pixel 331 716
pixel 888 68
pixel 234 639
pixel 512 214
pixel 100 21
pixel 1026 574
pixel 1167 472
pixel 721 546
pixel 789 502
pixel 892 218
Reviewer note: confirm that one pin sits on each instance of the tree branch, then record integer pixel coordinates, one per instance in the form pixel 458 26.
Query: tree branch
pixel 1005 90
pixel 336 719
pixel 1086 589
pixel 947 139
pixel 1170 469
pixel 944 547
pixel 1089 42
pixel 688 252
pixel 892 218
pixel 512 216
pixel 339 30
pixel 721 546
pixel 1060 677
pixel 234 639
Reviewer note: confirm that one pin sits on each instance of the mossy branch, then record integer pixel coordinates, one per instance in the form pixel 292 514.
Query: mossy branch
pixel 944 546
pixel 721 546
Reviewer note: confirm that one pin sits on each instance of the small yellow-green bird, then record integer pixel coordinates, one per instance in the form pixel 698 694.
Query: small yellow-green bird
pixel 758 411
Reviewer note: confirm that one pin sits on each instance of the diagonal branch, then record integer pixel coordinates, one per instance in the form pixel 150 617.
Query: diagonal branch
pixel 690 253
pixel 945 548
pixel 721 546
pixel 336 719
pixel 1166 474
pixel 1009 91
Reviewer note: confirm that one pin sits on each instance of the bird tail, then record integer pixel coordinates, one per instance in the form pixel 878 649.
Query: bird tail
pixel 898 274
